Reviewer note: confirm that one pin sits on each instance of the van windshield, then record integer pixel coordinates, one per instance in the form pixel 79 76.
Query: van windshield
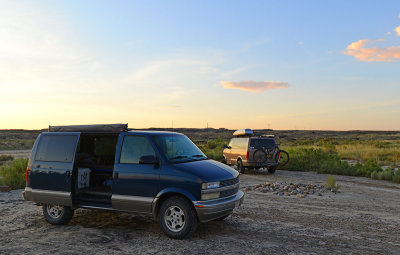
pixel 262 143
pixel 177 148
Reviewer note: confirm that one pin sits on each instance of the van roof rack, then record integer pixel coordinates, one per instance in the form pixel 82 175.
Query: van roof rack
pixel 243 132
pixel 90 128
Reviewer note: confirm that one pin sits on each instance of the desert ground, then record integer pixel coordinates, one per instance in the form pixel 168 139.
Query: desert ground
pixel 363 218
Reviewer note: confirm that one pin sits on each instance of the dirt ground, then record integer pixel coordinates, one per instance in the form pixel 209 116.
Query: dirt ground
pixel 363 218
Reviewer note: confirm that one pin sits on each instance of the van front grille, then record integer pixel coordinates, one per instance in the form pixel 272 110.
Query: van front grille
pixel 229 182
pixel 229 192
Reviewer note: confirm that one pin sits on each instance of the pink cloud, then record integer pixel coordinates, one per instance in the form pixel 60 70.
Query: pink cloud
pixel 397 30
pixel 374 54
pixel 254 86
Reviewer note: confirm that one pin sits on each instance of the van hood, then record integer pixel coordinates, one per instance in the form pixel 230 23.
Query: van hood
pixel 207 170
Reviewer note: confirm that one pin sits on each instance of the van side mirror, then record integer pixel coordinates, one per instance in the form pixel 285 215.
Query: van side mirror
pixel 227 147
pixel 148 160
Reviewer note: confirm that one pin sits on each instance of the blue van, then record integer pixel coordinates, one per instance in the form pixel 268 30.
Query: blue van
pixel 162 174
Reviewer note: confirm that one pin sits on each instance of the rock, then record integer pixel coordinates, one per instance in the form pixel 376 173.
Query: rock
pixel 281 194
pixel 319 194
pixel 300 195
pixel 4 188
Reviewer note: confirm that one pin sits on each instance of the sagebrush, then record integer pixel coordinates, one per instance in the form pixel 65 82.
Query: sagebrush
pixel 13 174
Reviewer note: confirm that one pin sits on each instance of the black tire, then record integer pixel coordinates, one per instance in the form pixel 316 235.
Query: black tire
pixel 57 214
pixel 175 212
pixel 222 218
pixel 240 166
pixel 283 158
pixel 271 169
pixel 259 156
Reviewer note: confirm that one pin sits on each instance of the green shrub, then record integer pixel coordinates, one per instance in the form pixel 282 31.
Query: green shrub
pixel 323 162
pixel 6 158
pixel 366 169
pixel 396 178
pixel 13 174
pixel 386 175
pixel 311 159
pixel 374 175
pixel 213 148
pixel 331 183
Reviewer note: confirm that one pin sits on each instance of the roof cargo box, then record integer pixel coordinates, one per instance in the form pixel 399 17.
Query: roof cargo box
pixel 243 132
pixel 90 128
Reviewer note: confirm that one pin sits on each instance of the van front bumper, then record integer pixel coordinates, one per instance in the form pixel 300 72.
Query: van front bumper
pixel 217 208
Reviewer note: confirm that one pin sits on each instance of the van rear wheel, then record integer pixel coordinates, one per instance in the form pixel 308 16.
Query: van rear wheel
pixel 177 218
pixel 271 169
pixel 57 214
pixel 240 166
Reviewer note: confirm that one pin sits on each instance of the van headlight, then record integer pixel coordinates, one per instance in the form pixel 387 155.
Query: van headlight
pixel 210 185
pixel 207 190
pixel 209 196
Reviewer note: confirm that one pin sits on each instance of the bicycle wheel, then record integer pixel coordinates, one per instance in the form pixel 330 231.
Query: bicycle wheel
pixel 283 158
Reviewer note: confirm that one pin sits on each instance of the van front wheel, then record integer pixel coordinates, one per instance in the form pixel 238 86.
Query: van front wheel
pixel 177 218
pixel 57 214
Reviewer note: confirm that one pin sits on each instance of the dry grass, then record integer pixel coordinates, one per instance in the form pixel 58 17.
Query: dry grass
pixel 389 155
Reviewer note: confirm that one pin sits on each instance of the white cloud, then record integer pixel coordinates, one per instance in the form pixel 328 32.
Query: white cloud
pixel 254 86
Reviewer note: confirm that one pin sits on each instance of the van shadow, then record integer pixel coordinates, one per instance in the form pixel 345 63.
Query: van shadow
pixel 126 224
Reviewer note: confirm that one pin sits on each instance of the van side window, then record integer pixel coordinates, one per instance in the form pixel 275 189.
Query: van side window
pixel 56 148
pixel 239 143
pixel 234 143
pixel 133 148
pixel 243 143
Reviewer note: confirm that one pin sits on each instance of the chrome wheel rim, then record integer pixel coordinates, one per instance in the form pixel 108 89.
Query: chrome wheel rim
pixel 55 211
pixel 174 218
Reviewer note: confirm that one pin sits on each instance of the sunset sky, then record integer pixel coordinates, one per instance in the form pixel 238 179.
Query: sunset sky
pixel 332 65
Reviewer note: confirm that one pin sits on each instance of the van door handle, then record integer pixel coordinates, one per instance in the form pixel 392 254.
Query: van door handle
pixel 68 174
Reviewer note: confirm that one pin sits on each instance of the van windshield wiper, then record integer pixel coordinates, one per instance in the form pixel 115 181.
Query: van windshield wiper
pixel 178 157
pixel 198 156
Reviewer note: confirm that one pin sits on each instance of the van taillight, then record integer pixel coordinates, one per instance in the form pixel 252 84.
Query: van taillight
pixel 27 173
pixel 247 154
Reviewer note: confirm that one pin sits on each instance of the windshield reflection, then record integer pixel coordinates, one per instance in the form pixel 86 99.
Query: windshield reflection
pixel 177 148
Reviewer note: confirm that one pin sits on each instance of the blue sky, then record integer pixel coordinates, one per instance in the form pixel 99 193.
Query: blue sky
pixel 233 64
